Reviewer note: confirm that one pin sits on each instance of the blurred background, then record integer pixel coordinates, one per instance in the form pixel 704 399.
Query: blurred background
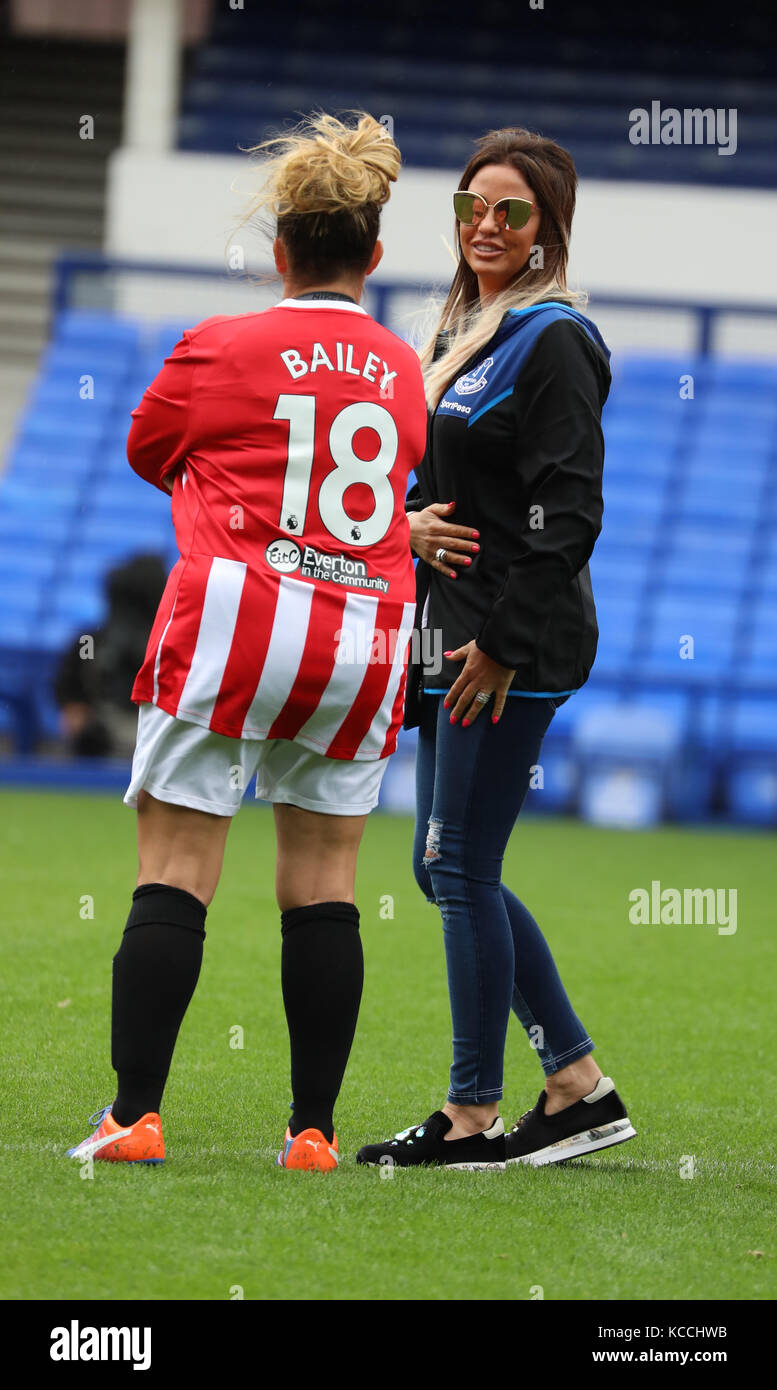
pixel 123 187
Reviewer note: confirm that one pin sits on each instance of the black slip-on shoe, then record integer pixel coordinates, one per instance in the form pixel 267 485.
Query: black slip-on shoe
pixel 426 1144
pixel 593 1123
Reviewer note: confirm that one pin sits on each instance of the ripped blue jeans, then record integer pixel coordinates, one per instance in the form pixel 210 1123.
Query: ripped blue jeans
pixel 470 786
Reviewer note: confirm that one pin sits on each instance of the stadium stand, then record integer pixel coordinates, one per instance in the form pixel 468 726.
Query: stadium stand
pixel 679 716
pixel 70 507
pixel 678 719
pixel 582 78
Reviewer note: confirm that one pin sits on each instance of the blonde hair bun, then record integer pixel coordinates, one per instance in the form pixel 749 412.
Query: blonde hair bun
pixel 326 166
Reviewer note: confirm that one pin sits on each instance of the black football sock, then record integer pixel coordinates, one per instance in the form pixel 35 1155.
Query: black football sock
pixel 155 971
pixel 322 973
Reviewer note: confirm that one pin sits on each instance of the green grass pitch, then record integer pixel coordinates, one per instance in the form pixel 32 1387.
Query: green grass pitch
pixel 683 1019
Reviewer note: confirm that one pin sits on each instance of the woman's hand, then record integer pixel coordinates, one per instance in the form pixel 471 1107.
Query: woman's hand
pixel 481 675
pixel 430 531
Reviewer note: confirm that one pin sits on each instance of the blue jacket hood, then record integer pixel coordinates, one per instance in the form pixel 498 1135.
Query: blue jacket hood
pixel 517 319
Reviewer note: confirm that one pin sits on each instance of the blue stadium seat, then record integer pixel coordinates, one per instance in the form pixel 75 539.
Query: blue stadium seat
pixel 659 371
pixel 56 632
pixel 145 523
pixel 66 393
pixel 745 376
pixel 120 483
pixel 628 533
pixel 626 753
pixel 27 564
pixel 24 496
pixel 760 659
pixel 106 362
pixel 82 565
pixel 114 477
pixel 766 580
pixel 622 497
pixel 20 598
pixel 724 461
pixel 637 462
pixel 617 614
pixel 16 633
pixel 740 500
pixel 553 786
pixel 25 526
pixel 718 574
pixel 751 775
pixel 754 726
pixel 94 327
pixel 165 338
pixel 559 789
pixel 137 385
pixel 77 421
pixel 55 444
pixel 694 537
pixel 80 604
pixel 648 412
pixel 114 542
pixel 38 467
pixel 711 624
pixel 750 418
pixel 618 578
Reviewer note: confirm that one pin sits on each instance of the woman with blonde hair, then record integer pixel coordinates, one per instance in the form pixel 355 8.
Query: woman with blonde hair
pixel 516 378
pixel 279 647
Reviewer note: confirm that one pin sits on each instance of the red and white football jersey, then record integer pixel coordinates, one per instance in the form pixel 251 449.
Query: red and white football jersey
pixel 290 434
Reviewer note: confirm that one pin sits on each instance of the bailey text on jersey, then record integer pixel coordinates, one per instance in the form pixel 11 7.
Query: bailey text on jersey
pixel 297 366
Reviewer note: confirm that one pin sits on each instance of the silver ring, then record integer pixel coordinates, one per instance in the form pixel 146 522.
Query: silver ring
pixel 482 698
pixel 439 554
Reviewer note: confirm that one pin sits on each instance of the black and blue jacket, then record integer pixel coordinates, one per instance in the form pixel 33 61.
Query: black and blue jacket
pixel 516 440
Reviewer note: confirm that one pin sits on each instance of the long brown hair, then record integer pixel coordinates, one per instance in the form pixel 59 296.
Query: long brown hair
pixel 550 172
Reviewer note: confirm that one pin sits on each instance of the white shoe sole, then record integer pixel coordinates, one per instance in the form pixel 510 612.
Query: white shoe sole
pixel 474 1167
pixel 442 1167
pixel 587 1142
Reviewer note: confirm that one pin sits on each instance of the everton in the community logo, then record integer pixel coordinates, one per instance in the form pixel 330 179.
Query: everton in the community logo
pixel 474 380
pixel 285 556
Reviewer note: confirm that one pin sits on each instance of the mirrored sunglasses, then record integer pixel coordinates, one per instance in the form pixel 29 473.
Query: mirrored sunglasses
pixel 471 208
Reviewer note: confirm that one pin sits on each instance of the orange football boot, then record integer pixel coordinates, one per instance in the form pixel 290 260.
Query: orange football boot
pixel 308 1150
pixel 115 1143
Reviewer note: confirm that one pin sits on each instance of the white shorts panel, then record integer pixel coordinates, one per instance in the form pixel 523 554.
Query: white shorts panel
pixel 290 773
pixel 187 765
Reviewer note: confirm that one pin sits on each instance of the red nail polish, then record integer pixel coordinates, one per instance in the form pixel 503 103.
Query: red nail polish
pixel 494 718
pixel 465 723
pixel 476 547
pixel 453 719
pixel 467 560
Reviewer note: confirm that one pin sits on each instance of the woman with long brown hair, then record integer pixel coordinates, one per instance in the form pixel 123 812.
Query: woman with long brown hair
pixel 516 377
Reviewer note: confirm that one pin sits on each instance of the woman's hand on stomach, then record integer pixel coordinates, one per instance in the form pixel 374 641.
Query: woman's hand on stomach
pixel 431 531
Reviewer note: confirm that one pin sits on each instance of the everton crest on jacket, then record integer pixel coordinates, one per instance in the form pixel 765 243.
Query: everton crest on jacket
pixel 516 441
